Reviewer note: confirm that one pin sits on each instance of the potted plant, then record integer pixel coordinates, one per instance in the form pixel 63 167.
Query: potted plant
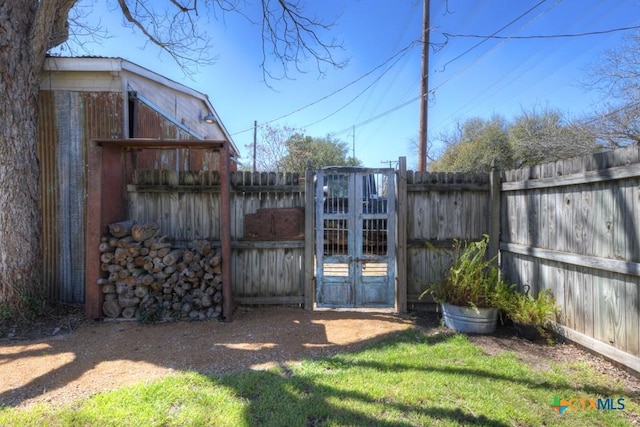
pixel 471 290
pixel 529 315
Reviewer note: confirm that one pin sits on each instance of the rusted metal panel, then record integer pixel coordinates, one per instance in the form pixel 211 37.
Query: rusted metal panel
pixel 148 123
pixel 274 224
pixel 68 120
pixel 47 145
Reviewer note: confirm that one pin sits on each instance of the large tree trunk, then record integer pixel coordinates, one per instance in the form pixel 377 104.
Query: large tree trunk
pixel 20 217
pixel 28 28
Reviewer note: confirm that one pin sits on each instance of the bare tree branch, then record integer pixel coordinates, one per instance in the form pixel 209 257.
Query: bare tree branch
pixel 289 36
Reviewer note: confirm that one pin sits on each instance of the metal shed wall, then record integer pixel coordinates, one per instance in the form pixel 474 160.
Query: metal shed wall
pixel 68 121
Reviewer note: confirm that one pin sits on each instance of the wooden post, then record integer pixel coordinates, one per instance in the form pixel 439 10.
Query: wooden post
pixel 94 227
pixel 309 238
pixel 494 214
pixel 401 237
pixel 225 233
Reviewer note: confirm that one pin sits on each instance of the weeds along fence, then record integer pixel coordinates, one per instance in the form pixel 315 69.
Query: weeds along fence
pixel 186 206
pixel 574 226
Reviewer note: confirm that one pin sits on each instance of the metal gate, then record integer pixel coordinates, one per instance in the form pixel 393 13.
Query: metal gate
pixel 355 238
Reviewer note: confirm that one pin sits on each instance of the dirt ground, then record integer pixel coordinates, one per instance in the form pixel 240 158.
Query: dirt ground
pixel 67 358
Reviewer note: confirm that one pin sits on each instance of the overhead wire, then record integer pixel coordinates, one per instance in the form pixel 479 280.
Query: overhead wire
pixel 393 109
pixel 352 100
pixel 493 34
pixel 432 91
pixel 543 36
pixel 487 53
pixel 386 61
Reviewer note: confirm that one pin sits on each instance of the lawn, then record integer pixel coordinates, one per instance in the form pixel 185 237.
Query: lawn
pixel 409 379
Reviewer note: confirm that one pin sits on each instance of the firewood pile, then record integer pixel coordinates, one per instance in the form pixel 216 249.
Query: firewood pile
pixel 150 278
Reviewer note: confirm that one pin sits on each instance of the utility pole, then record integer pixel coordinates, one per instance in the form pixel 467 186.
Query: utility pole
pixel 354 143
pixel 255 143
pixel 424 90
pixel 391 163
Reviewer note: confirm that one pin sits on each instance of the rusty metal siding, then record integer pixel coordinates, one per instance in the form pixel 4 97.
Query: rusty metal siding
pixel 47 145
pixel 148 123
pixel 67 123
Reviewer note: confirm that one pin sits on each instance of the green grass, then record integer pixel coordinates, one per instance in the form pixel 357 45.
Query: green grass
pixel 407 380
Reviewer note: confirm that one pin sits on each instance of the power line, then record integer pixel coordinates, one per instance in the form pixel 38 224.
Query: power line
pixel 502 42
pixel 379 116
pixel 401 51
pixel 543 36
pixel 352 100
pixel 492 34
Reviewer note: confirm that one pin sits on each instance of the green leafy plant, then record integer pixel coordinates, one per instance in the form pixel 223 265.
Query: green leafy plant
pixel 523 308
pixel 472 280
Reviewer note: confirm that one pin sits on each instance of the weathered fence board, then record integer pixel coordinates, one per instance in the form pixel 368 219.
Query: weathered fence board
pixel 574 226
pixel 186 206
pixel 441 208
pixel 570 226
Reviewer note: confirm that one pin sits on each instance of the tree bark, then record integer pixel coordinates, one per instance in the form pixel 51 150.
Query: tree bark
pixel 20 217
pixel 28 28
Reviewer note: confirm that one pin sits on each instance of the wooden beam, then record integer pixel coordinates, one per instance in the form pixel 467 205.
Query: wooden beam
pixel 225 234
pixel 309 240
pixel 621 172
pixel 443 186
pixel 604 264
pixel 401 238
pixel 494 213
pixel 284 300
pixel 630 361
pixel 139 143
pixel 94 232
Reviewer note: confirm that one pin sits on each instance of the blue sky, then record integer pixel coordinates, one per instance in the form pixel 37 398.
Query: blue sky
pixel 498 76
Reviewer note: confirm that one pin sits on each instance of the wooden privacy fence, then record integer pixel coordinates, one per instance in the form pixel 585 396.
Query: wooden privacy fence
pixel 441 207
pixel 186 206
pixel 571 226
pixel 574 227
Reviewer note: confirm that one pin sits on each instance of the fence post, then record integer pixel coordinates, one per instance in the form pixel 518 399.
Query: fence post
pixel 309 237
pixel 225 232
pixel 401 237
pixel 494 212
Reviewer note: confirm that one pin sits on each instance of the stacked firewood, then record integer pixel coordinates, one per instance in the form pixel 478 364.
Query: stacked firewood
pixel 150 278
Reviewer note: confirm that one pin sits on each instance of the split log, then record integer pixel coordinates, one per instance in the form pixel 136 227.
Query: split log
pixel 172 257
pixel 149 275
pixel 121 229
pixel 142 232
pixel 163 252
pixel 120 255
pixel 216 260
pixel 125 242
pixel 111 309
pixel 109 288
pixel 125 302
pixel 106 257
pixel 128 312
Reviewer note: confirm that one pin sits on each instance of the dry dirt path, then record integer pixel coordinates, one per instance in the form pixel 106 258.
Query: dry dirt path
pixel 101 356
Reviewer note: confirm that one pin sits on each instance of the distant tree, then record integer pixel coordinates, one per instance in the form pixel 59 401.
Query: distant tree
pixel 413 148
pixel 320 152
pixel 541 137
pixel 29 29
pixel 271 148
pixel 617 77
pixel 474 145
